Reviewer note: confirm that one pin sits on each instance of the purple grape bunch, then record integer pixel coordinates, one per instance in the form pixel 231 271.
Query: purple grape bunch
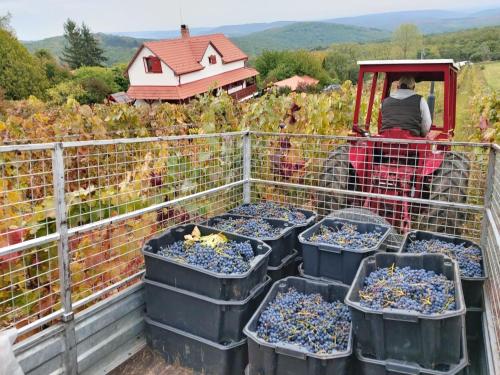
pixel 346 236
pixel 246 226
pixel 469 258
pixel 230 257
pixel 306 320
pixel 272 210
pixel 408 289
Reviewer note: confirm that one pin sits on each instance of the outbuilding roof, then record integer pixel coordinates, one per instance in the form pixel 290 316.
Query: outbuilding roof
pixel 183 55
pixel 294 82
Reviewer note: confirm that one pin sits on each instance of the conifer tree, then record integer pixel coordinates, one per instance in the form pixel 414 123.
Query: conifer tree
pixel 82 47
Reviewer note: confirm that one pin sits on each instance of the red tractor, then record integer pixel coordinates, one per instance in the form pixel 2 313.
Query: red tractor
pixel 381 166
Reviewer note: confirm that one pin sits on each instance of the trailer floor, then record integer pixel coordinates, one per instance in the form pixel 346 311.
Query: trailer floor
pixel 148 362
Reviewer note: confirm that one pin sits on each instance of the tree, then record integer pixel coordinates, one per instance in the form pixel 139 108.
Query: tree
pixel 5 23
pixel 278 65
pixel 408 40
pixel 21 75
pixel 93 53
pixel 97 82
pixel 82 47
pixel 54 72
pixel 341 66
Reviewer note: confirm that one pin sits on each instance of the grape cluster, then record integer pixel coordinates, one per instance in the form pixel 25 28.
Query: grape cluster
pixel 468 257
pixel 228 257
pixel 273 211
pixel 306 320
pixel 408 289
pixel 246 226
pixel 347 236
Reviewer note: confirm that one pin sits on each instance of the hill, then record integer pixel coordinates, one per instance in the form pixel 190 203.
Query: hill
pixel 117 49
pixel 307 35
pixel 428 21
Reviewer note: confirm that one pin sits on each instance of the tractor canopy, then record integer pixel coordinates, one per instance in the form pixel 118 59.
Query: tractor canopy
pixel 382 73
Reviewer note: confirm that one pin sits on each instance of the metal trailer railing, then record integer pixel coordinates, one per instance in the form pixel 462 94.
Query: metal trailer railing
pixel 74 216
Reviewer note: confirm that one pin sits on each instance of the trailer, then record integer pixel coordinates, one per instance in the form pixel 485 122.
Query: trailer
pixel 74 217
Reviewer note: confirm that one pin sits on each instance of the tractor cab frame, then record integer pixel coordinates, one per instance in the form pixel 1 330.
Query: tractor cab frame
pixel 395 163
pixel 439 70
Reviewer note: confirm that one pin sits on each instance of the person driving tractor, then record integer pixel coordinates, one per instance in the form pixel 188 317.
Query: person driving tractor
pixel 407 110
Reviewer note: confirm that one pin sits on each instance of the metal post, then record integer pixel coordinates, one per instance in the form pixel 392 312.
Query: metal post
pixel 70 360
pixel 487 196
pixel 247 165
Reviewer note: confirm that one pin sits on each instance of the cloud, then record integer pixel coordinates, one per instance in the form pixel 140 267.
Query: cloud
pixel 35 19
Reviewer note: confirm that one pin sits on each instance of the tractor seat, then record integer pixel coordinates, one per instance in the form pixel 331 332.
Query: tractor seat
pixel 405 153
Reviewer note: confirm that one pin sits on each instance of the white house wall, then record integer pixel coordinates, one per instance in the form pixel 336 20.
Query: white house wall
pixel 211 69
pixel 138 76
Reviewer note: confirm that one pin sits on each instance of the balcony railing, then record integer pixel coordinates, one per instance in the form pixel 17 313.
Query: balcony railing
pixel 243 93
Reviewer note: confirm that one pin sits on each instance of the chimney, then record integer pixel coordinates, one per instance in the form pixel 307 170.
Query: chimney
pixel 184 31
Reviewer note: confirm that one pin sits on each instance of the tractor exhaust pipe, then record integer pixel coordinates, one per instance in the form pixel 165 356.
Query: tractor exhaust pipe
pixel 431 101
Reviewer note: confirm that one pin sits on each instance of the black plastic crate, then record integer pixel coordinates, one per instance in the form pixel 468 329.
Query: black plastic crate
pixel 275 359
pixel 430 340
pixel 287 268
pixel 201 355
pixel 370 366
pixel 281 245
pixel 215 320
pixel 474 323
pixel 301 273
pixel 198 280
pixel 335 262
pixel 311 217
pixel 472 286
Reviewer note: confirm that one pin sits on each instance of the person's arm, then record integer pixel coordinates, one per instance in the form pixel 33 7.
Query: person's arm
pixel 426 117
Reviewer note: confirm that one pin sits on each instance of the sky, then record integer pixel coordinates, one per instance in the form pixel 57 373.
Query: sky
pixel 37 19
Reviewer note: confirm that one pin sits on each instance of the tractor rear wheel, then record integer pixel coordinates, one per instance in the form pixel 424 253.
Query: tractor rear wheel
pixel 449 184
pixel 335 175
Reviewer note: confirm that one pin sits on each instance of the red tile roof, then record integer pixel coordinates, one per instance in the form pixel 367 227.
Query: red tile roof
pixel 296 81
pixel 183 55
pixel 191 89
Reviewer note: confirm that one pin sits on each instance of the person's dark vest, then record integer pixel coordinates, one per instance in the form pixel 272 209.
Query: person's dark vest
pixel 402 113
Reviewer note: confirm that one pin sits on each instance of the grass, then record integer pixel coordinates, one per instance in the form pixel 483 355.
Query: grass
pixel 491 73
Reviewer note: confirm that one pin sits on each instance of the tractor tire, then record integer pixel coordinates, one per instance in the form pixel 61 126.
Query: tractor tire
pixel 363 215
pixel 334 175
pixel 449 184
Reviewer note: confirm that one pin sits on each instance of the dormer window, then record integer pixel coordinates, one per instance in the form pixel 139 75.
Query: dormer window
pixel 212 59
pixel 152 64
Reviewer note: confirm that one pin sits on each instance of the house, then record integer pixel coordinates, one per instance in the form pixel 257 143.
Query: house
pixel 296 82
pixel 177 70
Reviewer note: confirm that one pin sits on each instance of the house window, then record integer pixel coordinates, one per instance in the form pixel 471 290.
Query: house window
pixel 152 64
pixel 212 59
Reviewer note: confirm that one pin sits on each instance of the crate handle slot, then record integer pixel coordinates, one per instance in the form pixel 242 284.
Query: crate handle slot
pixel 290 352
pixel 330 249
pixel 392 366
pixel 400 317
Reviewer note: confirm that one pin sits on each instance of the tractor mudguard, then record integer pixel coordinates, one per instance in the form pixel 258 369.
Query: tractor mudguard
pixel 432 161
pixel 358 153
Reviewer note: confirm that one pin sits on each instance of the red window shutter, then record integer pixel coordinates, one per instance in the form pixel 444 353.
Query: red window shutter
pixel 155 65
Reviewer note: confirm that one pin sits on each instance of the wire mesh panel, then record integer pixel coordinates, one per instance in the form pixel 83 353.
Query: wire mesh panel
pixel 26 195
pixel 116 194
pixel 29 275
pixel 29 285
pixel 492 243
pixel 115 178
pixel 413 185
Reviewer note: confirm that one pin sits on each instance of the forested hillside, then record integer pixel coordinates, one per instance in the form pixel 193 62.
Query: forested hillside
pixel 307 35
